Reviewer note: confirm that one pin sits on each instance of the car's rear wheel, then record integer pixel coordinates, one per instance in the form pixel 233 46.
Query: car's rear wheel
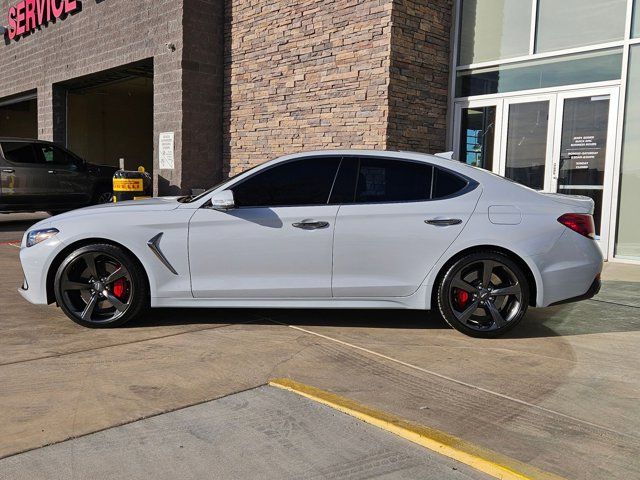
pixel 484 294
pixel 100 286
pixel 103 196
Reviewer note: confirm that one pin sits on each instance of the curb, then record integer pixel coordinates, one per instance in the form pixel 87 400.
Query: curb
pixel 486 461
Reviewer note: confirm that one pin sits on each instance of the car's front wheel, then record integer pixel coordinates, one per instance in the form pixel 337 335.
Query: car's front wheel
pixel 483 294
pixel 100 286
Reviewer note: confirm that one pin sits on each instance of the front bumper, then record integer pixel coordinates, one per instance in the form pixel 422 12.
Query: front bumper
pixel 36 262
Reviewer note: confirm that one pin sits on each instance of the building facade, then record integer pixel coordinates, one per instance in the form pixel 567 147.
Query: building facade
pixel 540 91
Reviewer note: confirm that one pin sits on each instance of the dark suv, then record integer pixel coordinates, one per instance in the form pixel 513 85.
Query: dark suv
pixel 41 176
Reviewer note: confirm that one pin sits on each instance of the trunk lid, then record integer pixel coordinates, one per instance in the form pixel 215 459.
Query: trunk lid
pixel 580 204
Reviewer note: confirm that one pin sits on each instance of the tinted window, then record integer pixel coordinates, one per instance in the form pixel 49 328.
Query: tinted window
pixel 447 183
pixel 382 180
pixel 52 155
pixel 344 189
pixel 19 152
pixel 300 182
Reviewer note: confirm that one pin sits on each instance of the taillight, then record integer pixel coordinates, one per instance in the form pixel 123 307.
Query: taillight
pixel 581 223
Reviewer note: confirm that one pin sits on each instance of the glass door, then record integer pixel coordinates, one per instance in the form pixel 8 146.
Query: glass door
pixel 527 143
pixel 584 150
pixel 477 133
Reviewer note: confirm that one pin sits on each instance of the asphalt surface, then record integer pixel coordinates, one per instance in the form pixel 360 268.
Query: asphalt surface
pixel 263 433
pixel 560 392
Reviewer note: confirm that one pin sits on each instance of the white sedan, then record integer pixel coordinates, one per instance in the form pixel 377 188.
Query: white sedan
pixel 336 229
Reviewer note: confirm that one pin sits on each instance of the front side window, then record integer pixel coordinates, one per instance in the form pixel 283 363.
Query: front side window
pixel 299 182
pixel 19 152
pixel 52 155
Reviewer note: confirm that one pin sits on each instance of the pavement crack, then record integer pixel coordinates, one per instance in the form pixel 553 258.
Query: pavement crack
pixel 133 342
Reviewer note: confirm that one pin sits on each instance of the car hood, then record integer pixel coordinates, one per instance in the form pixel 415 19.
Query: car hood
pixel 151 204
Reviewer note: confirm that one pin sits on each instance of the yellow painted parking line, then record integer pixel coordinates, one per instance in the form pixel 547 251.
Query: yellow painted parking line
pixel 486 461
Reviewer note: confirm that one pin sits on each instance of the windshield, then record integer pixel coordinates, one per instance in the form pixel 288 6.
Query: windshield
pixel 192 198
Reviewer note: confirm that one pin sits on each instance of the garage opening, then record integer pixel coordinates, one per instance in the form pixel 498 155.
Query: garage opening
pixel 110 116
pixel 19 116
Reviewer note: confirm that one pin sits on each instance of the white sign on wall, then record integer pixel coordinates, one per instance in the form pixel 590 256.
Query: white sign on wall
pixel 166 149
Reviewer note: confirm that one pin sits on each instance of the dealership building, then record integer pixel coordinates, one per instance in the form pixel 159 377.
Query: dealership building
pixel 544 92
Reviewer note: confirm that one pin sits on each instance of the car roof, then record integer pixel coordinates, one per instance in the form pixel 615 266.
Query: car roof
pixel 450 164
pixel 22 140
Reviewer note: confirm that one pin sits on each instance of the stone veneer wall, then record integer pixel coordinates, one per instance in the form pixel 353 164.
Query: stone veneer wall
pixel 304 75
pixel 419 79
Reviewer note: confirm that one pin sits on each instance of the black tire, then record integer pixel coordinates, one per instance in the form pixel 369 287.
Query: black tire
pixel 102 196
pixel 499 306
pixel 118 294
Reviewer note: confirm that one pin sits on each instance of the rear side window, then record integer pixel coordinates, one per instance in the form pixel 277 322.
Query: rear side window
pixel 446 184
pixel 382 180
pixel 300 182
pixel 19 152
pixel 379 180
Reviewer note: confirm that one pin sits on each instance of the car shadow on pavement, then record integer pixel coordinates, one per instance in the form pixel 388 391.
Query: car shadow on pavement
pixel 365 319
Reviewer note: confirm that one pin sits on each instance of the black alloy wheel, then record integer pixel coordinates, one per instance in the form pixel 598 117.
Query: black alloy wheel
pixel 484 295
pixel 100 286
pixel 104 197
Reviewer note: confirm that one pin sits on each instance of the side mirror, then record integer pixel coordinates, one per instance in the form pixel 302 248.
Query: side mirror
pixel 223 201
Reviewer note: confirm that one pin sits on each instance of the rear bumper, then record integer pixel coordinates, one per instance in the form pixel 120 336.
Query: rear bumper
pixel 594 289
pixel 570 271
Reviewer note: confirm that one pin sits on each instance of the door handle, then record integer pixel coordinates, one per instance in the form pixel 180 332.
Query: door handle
pixel 311 225
pixel 8 170
pixel 443 222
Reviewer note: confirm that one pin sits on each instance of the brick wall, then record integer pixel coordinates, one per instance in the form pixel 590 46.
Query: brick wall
pixel 304 75
pixel 111 33
pixel 419 78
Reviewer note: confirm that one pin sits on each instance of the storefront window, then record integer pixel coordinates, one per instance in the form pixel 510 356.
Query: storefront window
pixel 576 23
pixel 635 24
pixel 477 131
pixel 494 29
pixel 566 70
pixel 527 134
pixel 628 238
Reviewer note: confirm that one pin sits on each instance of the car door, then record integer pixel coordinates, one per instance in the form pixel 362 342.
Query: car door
pixel 276 243
pixel 23 177
pixel 67 174
pixel 397 223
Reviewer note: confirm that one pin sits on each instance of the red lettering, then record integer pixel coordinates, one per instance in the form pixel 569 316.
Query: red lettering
pixel 40 9
pixel 70 6
pixel 30 15
pixel 20 18
pixel 57 8
pixel 12 23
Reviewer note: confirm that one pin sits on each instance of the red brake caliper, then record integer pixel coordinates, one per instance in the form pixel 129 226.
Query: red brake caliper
pixel 462 297
pixel 119 288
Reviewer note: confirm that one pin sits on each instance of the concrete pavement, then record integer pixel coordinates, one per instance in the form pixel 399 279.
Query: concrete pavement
pixel 263 433
pixel 560 392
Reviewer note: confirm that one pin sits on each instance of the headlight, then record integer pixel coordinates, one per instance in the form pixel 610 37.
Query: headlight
pixel 37 236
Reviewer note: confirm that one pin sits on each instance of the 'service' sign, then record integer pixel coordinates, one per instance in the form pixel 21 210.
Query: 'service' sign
pixel 29 15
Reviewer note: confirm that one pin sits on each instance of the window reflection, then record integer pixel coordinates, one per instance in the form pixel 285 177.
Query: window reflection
pixel 477 132
pixel 527 143
pixel 494 29
pixel 576 23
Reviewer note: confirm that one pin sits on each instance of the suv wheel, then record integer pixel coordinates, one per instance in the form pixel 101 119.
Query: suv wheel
pixel 100 286
pixel 103 197
pixel 484 295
